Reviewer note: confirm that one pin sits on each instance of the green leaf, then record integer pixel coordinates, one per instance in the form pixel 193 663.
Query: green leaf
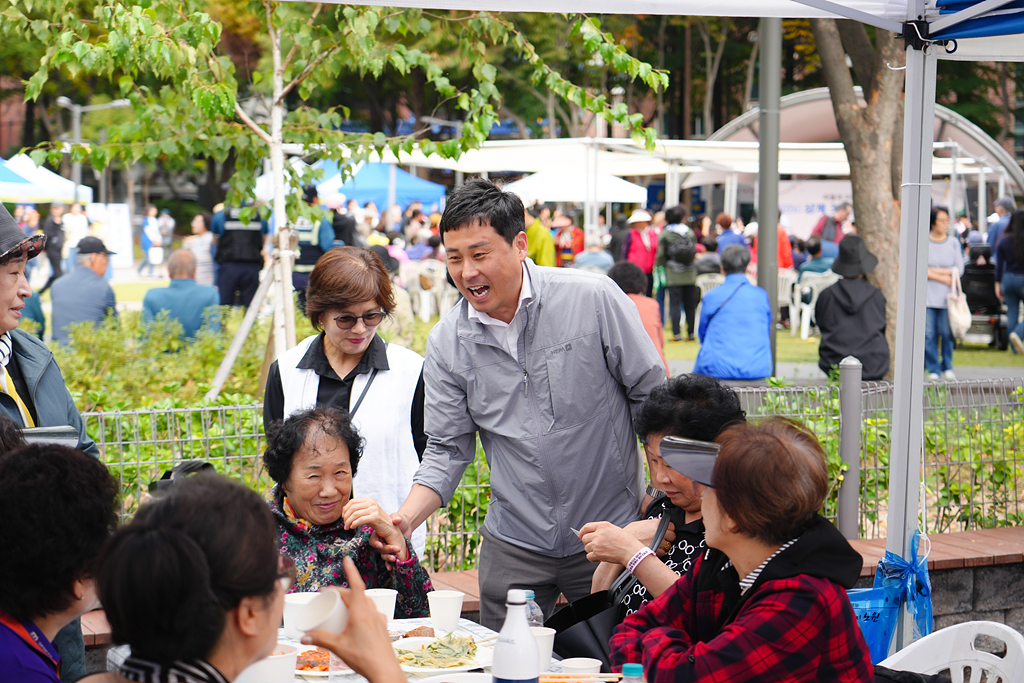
pixel 38 156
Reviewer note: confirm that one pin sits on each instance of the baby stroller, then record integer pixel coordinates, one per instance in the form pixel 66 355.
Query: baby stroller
pixel 988 321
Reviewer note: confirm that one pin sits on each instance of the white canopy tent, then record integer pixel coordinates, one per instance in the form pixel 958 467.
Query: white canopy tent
pixel 572 186
pixel 976 26
pixel 46 186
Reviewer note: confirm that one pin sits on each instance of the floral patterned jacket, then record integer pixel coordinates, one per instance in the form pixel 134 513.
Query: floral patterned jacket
pixel 319 550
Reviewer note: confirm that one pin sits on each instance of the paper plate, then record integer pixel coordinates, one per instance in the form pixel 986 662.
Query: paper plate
pixel 483 658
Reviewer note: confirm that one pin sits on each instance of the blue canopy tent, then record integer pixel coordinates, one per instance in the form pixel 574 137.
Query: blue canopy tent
pixel 13 188
pixel 371 183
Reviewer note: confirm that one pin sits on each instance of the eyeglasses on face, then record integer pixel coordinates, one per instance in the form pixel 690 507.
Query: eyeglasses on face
pixel 347 322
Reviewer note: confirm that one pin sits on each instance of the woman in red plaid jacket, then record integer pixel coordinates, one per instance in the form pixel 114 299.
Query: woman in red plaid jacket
pixel 766 601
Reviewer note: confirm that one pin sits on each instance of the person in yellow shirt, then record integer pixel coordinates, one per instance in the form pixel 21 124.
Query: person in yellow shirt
pixel 540 245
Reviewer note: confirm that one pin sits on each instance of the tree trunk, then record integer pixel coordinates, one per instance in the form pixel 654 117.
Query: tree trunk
pixel 748 88
pixel 869 134
pixel 659 121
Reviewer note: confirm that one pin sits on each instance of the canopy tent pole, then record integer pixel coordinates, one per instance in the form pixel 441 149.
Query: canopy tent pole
pixel 954 184
pixel 389 219
pixel 1001 186
pixel 908 377
pixel 590 206
pixel 768 169
pixel 982 201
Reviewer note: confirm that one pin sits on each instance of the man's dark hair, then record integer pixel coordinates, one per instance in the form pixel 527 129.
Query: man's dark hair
pixel 11 436
pixel 629 277
pixel 813 245
pixel 480 201
pixel 735 259
pixel 675 214
pixel 691 406
pixel 284 439
pixel 710 243
pixel 57 507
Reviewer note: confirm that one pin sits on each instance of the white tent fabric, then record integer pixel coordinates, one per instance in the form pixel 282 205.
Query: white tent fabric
pixel 46 186
pixel 895 10
pixel 571 186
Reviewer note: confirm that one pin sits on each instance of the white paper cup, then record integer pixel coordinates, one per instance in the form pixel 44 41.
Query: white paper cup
pixel 278 667
pixel 581 665
pixel 545 638
pixel 294 603
pixel 384 600
pixel 325 612
pixel 445 609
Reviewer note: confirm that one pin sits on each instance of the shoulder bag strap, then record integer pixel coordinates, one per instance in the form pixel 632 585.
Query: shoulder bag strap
pixel 623 585
pixel 359 402
pixel 712 316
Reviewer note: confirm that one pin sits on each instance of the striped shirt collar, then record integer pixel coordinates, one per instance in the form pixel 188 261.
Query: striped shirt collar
pixel 747 582
pixel 198 671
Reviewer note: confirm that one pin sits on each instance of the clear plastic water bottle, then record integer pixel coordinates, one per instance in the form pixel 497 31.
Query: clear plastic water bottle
pixel 516 659
pixel 632 673
pixel 534 614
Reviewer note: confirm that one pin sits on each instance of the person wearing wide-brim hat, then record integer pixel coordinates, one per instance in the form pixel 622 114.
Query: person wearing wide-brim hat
pixel 851 313
pixel 32 389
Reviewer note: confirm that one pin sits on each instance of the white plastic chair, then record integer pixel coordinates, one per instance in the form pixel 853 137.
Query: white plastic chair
pixel 817 282
pixel 787 280
pixel 954 649
pixel 706 282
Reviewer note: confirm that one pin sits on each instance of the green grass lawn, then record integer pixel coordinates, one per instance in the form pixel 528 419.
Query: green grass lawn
pixel 128 291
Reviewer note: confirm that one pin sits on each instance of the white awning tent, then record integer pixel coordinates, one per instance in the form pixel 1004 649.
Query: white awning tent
pixel 571 186
pixel 44 186
pixel 978 28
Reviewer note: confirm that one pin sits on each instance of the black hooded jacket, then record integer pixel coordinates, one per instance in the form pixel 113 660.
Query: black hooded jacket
pixel 851 317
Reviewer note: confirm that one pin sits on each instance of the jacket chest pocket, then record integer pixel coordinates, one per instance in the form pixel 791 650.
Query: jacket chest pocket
pixel 576 381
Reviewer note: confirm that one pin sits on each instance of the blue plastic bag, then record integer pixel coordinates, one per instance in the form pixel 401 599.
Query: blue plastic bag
pixel 896 582
pixel 877 613
pixel 910 581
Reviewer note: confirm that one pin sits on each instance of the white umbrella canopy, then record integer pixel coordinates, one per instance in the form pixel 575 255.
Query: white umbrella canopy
pixel 45 186
pixel 571 186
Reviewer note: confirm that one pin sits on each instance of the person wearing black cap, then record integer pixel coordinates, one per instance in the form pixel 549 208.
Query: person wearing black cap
pixel 767 599
pixel 32 389
pixel 851 314
pixel 83 295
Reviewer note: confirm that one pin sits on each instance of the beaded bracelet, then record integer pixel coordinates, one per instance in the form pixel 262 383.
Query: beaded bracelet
pixel 637 559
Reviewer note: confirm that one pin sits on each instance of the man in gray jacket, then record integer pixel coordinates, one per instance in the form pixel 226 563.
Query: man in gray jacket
pixel 548 365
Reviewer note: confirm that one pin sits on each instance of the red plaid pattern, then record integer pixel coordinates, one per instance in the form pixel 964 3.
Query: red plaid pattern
pixel 798 629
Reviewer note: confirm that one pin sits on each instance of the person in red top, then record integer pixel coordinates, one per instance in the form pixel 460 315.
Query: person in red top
pixel 785 253
pixel 631 280
pixel 568 240
pixel 641 245
pixel 766 601
pixel 831 227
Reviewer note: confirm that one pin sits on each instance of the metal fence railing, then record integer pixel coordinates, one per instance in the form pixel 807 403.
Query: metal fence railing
pixel 973 455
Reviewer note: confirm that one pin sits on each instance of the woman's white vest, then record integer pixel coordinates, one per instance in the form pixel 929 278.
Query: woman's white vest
pixel 389 459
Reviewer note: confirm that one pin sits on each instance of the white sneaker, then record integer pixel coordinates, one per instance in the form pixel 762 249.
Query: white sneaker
pixel 933 375
pixel 1015 340
pixel 948 374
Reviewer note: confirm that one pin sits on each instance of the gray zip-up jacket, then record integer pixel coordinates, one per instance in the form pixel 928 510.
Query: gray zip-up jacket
pixel 556 422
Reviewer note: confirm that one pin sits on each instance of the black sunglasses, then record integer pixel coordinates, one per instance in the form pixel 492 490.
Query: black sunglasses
pixel 347 322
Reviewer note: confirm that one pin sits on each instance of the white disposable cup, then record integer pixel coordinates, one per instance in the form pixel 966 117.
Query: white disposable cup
pixel 545 638
pixel 326 612
pixel 277 667
pixel 445 609
pixel 384 600
pixel 581 665
pixel 294 603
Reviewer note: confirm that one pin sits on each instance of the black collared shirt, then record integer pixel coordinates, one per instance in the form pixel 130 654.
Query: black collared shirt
pixel 337 392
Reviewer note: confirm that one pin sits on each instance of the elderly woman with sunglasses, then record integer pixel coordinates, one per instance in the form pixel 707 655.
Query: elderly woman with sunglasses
pixel 314 456
pixel 766 601
pixel 349 366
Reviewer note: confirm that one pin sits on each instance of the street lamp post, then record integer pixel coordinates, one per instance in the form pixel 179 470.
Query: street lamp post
pixel 76 128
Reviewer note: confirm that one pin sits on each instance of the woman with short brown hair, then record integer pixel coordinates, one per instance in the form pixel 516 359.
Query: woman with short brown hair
pixel 349 366
pixel 766 601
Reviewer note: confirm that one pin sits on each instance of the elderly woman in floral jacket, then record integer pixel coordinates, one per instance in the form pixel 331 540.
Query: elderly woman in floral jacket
pixel 313 456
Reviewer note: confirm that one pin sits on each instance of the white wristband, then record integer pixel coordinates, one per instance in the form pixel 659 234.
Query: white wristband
pixel 637 559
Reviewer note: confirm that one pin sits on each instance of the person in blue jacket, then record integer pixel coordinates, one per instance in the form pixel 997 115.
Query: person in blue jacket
pixel 190 304
pixel 735 324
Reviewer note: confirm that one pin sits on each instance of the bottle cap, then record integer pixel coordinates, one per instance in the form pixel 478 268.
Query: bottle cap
pixel 530 595
pixel 516 596
pixel 632 670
